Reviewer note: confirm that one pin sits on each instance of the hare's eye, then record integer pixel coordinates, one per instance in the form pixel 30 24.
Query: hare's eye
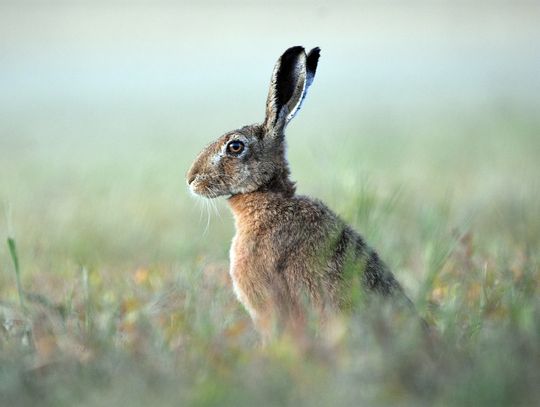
pixel 235 147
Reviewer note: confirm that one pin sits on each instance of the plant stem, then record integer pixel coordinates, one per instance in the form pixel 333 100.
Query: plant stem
pixel 15 258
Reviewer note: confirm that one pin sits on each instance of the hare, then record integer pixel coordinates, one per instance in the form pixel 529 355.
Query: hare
pixel 290 253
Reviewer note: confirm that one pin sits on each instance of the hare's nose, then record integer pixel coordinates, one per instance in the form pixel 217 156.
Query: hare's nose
pixel 192 173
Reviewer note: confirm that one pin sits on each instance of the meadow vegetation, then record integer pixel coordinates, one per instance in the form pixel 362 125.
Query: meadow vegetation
pixel 125 295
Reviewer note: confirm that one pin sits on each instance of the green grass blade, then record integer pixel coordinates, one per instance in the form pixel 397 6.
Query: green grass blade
pixel 13 252
pixel 86 289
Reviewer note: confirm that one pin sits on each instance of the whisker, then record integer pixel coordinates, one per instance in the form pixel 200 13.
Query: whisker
pixel 206 205
pixel 216 209
pixel 213 203
pixel 200 205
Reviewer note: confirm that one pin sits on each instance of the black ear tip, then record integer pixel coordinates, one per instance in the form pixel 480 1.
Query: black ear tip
pixel 313 59
pixel 315 51
pixel 293 52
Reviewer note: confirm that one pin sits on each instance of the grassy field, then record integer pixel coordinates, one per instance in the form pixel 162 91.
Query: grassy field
pixel 127 296
pixel 424 137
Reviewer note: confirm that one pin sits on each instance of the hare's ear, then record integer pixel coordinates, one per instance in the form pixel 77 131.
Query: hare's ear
pixel 292 76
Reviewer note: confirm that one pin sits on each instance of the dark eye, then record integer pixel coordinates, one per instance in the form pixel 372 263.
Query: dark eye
pixel 235 147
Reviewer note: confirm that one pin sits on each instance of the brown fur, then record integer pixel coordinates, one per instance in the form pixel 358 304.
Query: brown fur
pixel 290 253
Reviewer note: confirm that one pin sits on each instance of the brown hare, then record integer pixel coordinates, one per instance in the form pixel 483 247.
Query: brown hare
pixel 290 254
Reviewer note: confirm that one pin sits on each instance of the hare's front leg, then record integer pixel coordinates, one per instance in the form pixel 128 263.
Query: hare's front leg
pixel 260 311
pixel 262 289
pixel 269 305
pixel 249 289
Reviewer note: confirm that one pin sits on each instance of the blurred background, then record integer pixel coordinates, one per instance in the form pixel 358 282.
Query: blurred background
pixel 421 129
pixel 103 106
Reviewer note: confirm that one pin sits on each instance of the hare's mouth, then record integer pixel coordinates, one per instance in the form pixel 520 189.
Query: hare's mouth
pixel 198 187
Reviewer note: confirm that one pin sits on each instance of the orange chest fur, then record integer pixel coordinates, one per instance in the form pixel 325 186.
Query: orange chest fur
pixel 247 273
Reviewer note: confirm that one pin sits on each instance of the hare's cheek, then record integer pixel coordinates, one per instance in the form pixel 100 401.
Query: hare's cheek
pixel 229 167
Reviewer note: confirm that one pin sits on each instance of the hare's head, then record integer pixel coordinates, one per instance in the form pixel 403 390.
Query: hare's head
pixel 253 158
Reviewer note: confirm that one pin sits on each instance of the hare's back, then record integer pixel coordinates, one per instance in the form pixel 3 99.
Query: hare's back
pixel 315 238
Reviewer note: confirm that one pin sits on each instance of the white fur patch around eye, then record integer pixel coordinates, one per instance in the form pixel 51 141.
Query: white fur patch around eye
pixel 216 158
pixel 223 151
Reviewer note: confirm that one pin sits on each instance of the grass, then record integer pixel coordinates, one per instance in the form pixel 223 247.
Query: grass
pixel 13 252
pixel 128 301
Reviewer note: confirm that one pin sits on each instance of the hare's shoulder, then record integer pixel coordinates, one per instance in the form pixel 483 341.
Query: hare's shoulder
pixel 299 222
pixel 304 209
pixel 283 226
